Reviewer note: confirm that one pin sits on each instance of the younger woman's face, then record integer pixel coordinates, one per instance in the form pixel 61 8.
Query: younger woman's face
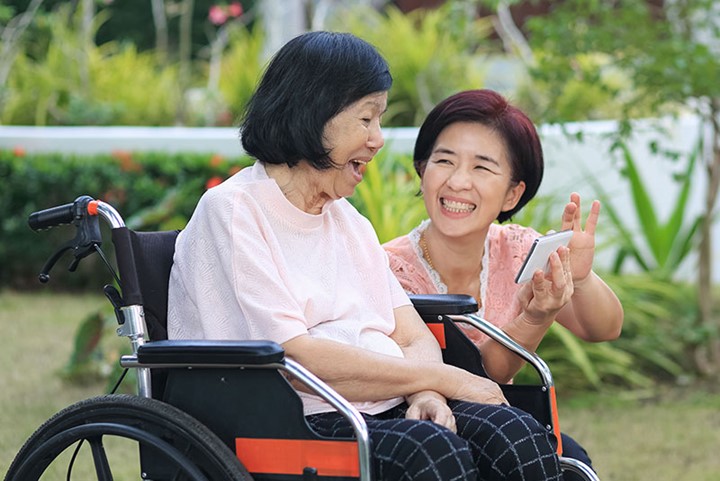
pixel 468 179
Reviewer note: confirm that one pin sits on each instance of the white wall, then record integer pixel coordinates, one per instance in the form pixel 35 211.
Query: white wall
pixel 566 159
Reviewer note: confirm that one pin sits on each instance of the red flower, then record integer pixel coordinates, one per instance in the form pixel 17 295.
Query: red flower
pixel 213 182
pixel 127 164
pixel 217 15
pixel 235 9
pixel 216 160
pixel 235 169
pixel 19 151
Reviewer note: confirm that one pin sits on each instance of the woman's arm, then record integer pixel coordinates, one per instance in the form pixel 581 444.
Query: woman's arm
pixel 362 375
pixel 594 313
pixel 541 300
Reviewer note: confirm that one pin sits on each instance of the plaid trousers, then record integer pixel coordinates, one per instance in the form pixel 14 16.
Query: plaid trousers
pixel 492 443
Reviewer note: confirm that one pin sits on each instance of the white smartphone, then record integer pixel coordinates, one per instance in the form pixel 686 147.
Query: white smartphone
pixel 539 254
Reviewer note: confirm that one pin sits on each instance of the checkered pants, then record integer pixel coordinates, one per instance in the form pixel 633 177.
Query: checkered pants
pixel 492 443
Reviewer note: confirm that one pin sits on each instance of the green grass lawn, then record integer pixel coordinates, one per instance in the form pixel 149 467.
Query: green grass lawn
pixel 667 435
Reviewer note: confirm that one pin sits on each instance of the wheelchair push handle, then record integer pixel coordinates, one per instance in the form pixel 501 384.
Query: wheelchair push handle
pixel 52 217
pixel 72 213
pixel 83 213
pixel 83 209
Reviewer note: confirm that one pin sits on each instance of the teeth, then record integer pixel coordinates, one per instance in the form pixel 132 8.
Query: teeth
pixel 454 206
pixel 359 166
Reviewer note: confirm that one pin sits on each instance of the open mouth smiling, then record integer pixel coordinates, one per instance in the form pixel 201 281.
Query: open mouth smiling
pixel 359 167
pixel 456 206
pixel 359 164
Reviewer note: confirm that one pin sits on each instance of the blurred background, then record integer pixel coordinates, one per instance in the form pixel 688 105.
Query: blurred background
pixel 136 102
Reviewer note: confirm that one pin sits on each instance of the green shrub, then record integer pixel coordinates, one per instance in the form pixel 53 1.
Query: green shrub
pixel 153 190
pixel 387 196
pixel 241 68
pixel 74 82
pixel 429 59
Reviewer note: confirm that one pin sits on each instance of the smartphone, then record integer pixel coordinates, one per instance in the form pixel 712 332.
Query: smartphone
pixel 539 254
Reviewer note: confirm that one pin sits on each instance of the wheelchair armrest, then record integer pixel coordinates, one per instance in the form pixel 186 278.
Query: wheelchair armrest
pixel 443 304
pixel 210 352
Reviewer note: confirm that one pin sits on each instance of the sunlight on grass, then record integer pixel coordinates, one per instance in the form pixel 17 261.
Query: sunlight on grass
pixel 42 326
pixel 672 435
pixel 660 435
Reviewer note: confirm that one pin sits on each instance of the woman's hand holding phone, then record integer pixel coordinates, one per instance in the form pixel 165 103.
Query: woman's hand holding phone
pixel 539 254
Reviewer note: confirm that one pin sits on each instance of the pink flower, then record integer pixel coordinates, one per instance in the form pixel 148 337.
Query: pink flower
pixel 217 15
pixel 235 9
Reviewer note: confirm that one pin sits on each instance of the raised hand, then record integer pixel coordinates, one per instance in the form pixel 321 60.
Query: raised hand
pixel 582 243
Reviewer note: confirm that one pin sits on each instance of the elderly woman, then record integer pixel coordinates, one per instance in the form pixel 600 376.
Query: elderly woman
pixel 276 252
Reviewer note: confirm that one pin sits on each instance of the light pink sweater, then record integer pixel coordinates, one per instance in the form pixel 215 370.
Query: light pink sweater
pixel 250 265
pixel 505 249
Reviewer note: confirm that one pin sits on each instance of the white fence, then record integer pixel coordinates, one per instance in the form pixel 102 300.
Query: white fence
pixel 567 160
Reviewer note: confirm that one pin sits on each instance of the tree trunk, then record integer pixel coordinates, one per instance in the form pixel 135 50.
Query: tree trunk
pixel 282 20
pixel 10 39
pixel 185 51
pixel 708 355
pixel 161 30
pixel 87 12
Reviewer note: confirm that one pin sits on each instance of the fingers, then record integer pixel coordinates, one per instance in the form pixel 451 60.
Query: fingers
pixel 558 280
pixel 435 411
pixel 502 399
pixel 491 393
pixel 593 217
pixel 568 217
pixel 572 215
pixel 525 294
pixel 445 419
pixel 499 398
pixel 560 269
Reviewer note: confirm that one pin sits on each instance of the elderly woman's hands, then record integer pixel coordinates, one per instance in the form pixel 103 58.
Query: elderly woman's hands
pixel 429 405
pixel 543 297
pixel 432 406
pixel 582 243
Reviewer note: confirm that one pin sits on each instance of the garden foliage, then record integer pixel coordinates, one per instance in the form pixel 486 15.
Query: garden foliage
pixel 157 191
pixel 154 190
pixel 589 62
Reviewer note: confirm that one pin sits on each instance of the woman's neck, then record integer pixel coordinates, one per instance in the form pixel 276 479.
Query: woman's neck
pixel 300 186
pixel 458 260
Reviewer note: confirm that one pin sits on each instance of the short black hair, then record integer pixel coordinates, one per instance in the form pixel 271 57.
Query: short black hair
pixel 310 79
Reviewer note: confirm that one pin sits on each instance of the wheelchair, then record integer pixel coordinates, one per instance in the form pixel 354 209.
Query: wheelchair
pixel 226 410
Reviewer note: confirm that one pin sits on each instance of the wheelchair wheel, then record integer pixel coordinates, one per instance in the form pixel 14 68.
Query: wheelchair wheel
pixel 184 448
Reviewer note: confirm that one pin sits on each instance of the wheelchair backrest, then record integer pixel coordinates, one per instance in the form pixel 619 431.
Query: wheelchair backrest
pixel 153 258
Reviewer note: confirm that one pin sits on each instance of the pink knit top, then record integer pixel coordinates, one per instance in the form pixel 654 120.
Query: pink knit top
pixel 505 249
pixel 250 265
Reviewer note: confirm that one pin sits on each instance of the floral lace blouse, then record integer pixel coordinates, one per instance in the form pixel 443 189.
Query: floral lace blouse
pixel 505 250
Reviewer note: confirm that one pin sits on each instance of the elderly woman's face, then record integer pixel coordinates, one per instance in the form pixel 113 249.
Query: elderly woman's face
pixel 353 137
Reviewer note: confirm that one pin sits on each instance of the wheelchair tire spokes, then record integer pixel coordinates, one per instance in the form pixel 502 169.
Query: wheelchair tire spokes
pixel 100 460
pixel 181 448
